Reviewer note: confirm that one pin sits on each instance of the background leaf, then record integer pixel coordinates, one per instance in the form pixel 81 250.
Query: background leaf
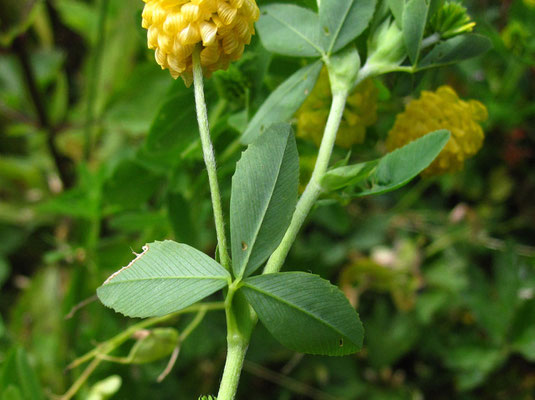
pixel 283 102
pixel 17 372
pixel 175 125
pixel 414 21
pixel 264 194
pixel 305 313
pixel 166 277
pixel 397 6
pixel 290 30
pixel 343 20
pixel 402 165
pixel 456 49
pixel 12 393
pixel 347 175
pixel 157 344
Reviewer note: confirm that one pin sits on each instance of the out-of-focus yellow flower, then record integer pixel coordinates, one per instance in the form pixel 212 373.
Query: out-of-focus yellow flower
pixel 442 109
pixel 175 27
pixel 360 112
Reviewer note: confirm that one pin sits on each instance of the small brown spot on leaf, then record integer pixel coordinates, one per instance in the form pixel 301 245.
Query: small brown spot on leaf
pixel 243 246
pixel 341 342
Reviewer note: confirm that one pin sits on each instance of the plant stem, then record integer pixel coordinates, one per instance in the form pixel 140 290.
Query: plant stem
pixel 209 158
pixel 111 344
pixel 313 189
pixel 240 327
pixel 81 380
pixel 236 351
pixel 61 163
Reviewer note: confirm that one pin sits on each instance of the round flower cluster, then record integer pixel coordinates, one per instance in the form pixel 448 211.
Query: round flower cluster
pixel 175 27
pixel 441 110
pixel 360 112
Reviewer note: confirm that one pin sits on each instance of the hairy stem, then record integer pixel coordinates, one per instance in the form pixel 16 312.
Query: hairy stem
pixel 238 338
pixel 209 158
pixel 313 189
pixel 236 351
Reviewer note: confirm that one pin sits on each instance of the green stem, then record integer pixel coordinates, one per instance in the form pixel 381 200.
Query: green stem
pixel 81 380
pixel 192 325
pixel 237 343
pixel 313 189
pixel 111 344
pixel 237 348
pixel 209 158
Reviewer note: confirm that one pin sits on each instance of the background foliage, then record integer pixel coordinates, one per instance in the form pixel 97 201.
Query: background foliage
pixel 442 270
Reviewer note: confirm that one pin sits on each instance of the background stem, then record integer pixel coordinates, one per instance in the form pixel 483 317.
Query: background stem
pixel 62 163
pixel 92 81
pixel 209 158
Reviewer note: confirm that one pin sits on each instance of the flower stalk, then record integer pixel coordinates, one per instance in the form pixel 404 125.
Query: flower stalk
pixel 209 158
pixel 313 189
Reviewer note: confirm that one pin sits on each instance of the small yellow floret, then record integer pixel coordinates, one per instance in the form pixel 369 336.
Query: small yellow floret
pixel 360 112
pixel 221 27
pixel 441 110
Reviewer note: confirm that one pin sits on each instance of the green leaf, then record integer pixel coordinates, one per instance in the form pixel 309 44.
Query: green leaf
pixel 397 6
pixel 414 21
pixel 282 104
pixel 175 125
pixel 264 194
pixel 166 277
pixel 79 16
pixel 17 372
pixel 343 20
pixel 348 175
pixel 181 218
pixel 523 331
pixel 290 30
pixel 456 49
pixel 399 167
pixel 158 343
pixel 131 184
pixel 434 6
pixel 105 388
pixel 17 17
pixel 305 313
pixel 11 393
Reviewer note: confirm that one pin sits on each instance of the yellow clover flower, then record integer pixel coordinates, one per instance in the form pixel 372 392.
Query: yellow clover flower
pixel 442 109
pixel 360 112
pixel 175 27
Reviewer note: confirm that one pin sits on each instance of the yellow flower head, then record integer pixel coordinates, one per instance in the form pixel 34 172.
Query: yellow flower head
pixel 360 112
pixel 175 27
pixel 441 110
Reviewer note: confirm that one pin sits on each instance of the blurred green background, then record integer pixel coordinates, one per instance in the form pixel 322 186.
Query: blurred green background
pixel 99 155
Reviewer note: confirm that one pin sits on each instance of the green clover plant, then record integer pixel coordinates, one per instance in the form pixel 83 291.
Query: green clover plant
pixel 302 311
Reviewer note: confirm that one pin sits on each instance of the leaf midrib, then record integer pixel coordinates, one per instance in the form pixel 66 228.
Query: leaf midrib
pixel 298 309
pixel 335 38
pixel 217 278
pixel 255 236
pixel 282 22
